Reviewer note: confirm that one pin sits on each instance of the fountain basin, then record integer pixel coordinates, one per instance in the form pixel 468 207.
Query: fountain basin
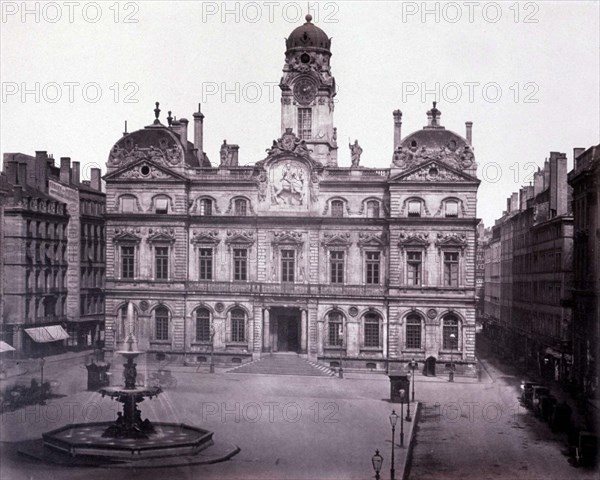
pixel 169 439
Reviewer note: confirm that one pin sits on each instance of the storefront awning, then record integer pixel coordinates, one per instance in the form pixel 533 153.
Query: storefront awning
pixel 53 333
pixel 5 347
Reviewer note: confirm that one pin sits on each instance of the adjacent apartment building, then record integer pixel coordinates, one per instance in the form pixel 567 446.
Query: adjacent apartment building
pixel 53 256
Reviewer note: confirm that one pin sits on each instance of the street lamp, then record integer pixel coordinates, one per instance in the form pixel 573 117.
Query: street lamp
pixel 341 343
pixel 211 367
pixel 408 418
pixel 393 420
pixel 451 374
pixel 377 461
pixel 413 365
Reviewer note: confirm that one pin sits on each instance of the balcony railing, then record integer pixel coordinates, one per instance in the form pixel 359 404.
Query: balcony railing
pixel 287 289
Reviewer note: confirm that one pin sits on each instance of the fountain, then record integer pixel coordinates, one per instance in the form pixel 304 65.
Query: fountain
pixel 129 440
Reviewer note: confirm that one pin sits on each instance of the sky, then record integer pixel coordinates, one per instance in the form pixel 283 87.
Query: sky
pixel 527 74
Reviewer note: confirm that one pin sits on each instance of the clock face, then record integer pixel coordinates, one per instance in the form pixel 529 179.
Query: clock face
pixel 305 91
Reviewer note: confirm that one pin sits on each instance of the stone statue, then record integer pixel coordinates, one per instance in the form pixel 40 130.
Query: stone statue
pixel 355 153
pixel 225 154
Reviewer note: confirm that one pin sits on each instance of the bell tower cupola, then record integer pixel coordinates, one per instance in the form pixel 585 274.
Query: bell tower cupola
pixel 307 91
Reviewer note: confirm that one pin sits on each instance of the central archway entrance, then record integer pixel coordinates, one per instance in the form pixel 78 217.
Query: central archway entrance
pixel 285 329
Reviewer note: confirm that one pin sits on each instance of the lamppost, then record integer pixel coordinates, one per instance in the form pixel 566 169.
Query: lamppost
pixel 393 420
pixel 341 343
pixel 377 461
pixel 451 374
pixel 408 418
pixel 211 367
pixel 413 365
pixel 402 398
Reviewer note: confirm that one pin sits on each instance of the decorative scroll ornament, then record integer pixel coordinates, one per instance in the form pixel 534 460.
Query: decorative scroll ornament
pixel 151 172
pixel 458 157
pixel 414 239
pixel 205 237
pixel 372 238
pixel 433 173
pixel 168 157
pixel 451 240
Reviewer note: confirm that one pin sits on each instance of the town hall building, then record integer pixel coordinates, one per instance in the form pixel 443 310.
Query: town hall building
pixel 362 267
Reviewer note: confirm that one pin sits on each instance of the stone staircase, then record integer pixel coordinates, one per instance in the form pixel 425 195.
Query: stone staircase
pixel 284 364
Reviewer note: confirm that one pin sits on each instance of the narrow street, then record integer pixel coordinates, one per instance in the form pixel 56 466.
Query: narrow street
pixel 481 431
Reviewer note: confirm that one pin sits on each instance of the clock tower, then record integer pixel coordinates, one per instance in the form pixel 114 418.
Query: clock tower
pixel 307 91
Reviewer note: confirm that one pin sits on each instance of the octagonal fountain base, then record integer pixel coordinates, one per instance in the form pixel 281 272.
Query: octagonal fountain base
pixel 171 445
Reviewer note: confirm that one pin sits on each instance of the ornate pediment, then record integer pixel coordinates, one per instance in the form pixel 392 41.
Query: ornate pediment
pixel 374 239
pixel 127 235
pixel 240 237
pixel 143 170
pixel 337 239
pixel 205 238
pixel 433 171
pixel 459 157
pixel 289 143
pixel 415 240
pixel 161 235
pixel 163 155
pixel 458 240
pixel 287 238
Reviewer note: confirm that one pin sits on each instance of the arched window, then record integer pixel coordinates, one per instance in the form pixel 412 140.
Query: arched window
pixel 450 332
pixel 161 205
pixel 451 208
pixel 337 208
pixel 161 323
pixel 238 325
pixel 206 207
pixel 372 337
pixel 415 208
pixel 202 325
pixel 241 207
pixel 128 204
pixel 335 322
pixel 413 331
pixel 372 209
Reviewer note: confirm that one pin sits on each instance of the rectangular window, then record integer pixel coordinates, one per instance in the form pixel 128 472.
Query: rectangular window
pixel 335 337
pixel 162 327
pixel 337 267
pixel 238 330
pixel 161 257
pixel 414 268
pixel 337 208
pixel 203 326
pixel 305 123
pixel 127 262
pixel 128 204
pixel 451 209
pixel 161 205
pixel 413 336
pixel 206 263
pixel 240 207
pixel 372 268
pixel 288 265
pixel 240 264
pixel 371 331
pixel 206 207
pixel 451 269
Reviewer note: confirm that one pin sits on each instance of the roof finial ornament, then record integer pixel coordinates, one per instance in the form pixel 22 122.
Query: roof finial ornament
pixel 156 113
pixel 170 118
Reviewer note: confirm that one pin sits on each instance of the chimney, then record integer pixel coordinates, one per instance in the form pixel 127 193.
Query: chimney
pixel 95 179
pixel 558 183
pixel 397 128
pixel 234 155
pixel 538 183
pixel 507 205
pixel 75 173
pixel 18 193
pixel 183 132
pixel 514 202
pixel 469 128
pixel 65 170
pixel 22 174
pixel 526 194
pixel 40 171
pixel 10 167
pixel 546 174
pixel 576 153
pixel 199 133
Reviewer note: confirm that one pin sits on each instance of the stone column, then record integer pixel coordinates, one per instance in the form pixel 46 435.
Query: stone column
pixel 266 330
pixel 303 332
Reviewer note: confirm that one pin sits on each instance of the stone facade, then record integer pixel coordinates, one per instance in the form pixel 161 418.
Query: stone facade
pixel 348 265
pixel 50 219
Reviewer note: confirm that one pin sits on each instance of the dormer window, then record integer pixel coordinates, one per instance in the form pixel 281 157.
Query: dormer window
pixel 451 208
pixel 337 208
pixel 128 204
pixel 161 205
pixel 414 208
